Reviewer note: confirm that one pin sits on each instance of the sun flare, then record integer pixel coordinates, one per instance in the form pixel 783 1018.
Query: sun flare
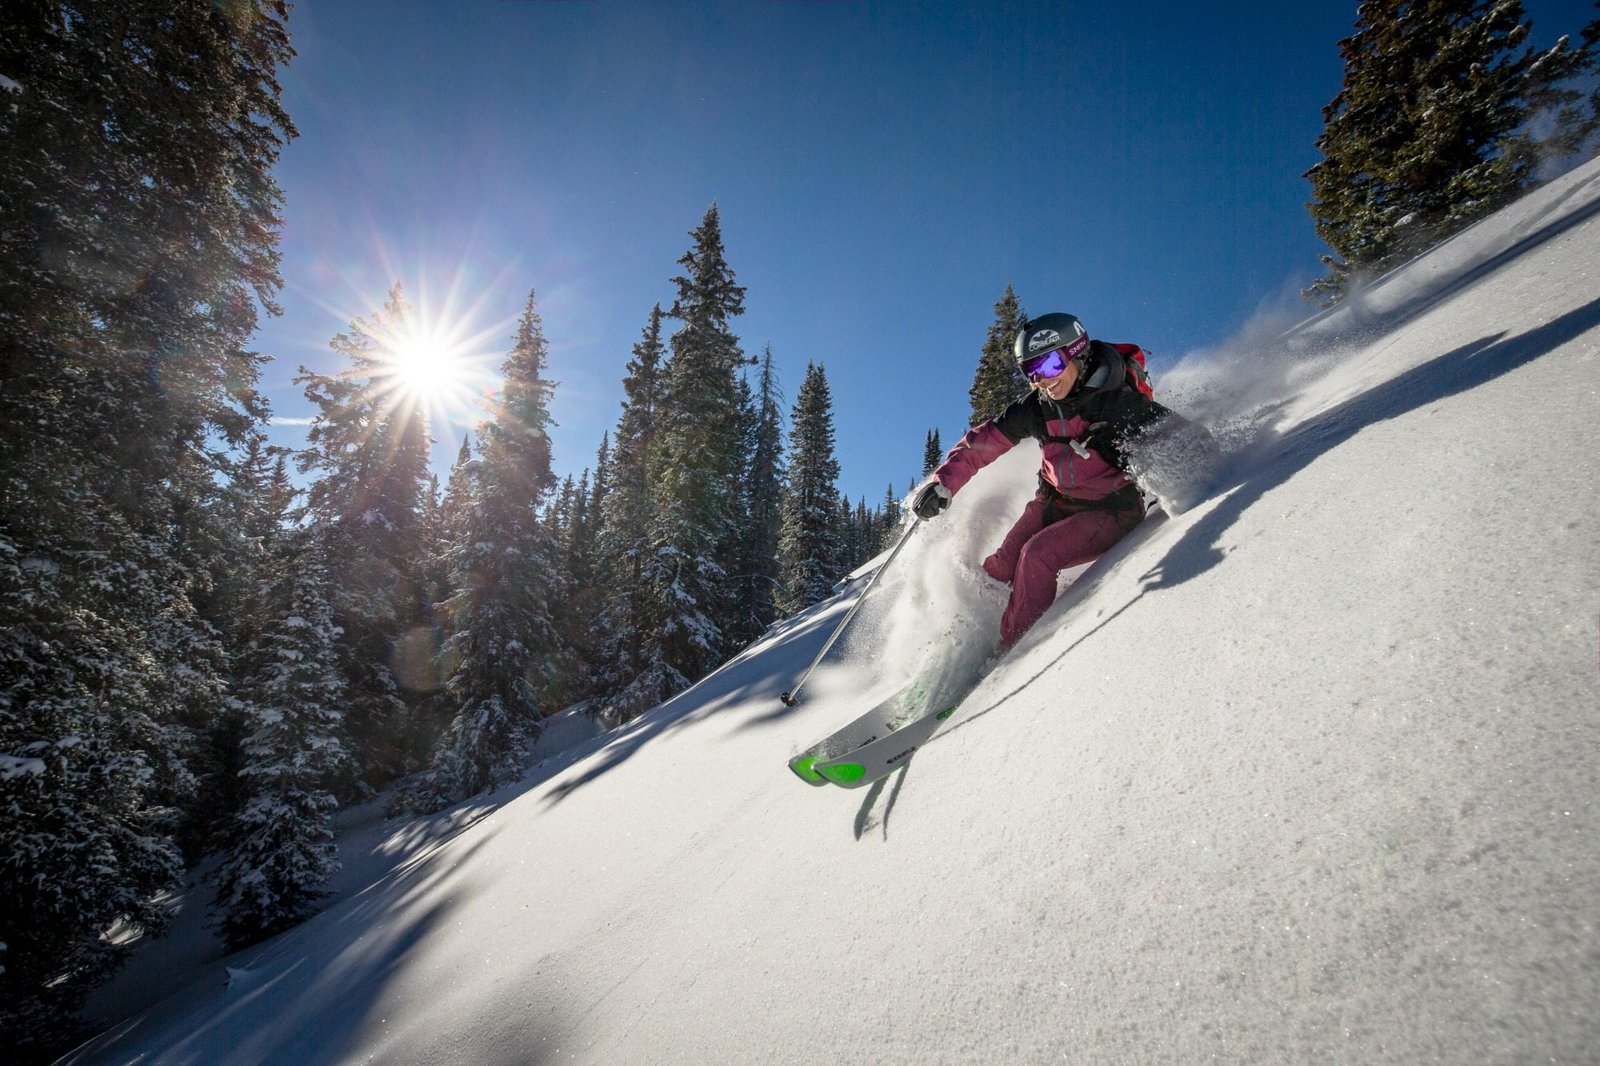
pixel 426 367
pixel 439 372
pixel 433 355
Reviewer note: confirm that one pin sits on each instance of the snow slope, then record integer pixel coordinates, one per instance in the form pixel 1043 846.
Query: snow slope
pixel 1307 773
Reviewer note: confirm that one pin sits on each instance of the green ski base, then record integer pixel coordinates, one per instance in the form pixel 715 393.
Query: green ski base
pixel 843 773
pixel 804 768
pixel 881 756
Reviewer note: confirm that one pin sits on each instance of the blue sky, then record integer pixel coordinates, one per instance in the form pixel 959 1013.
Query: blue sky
pixel 882 171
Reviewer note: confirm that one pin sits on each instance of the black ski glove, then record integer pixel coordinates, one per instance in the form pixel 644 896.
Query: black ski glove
pixel 931 501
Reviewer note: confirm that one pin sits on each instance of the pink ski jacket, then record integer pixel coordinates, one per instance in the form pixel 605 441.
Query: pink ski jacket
pixel 1081 438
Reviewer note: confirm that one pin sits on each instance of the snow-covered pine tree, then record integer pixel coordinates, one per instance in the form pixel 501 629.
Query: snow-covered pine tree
pixel 997 380
pixel 932 453
pixel 858 534
pixel 809 548
pixel 139 242
pixel 860 525
pixel 735 617
pixel 600 485
pixel 578 528
pixel 570 524
pixel 889 516
pixel 763 491
pixel 369 452
pixel 432 577
pixel 628 675
pixel 259 500
pixel 846 533
pixel 1430 129
pixel 695 470
pixel 265 494
pixel 873 531
pixel 502 637
pixel 1578 122
pixel 458 491
pixel 279 851
pixel 577 616
pixel 455 508
pixel 559 518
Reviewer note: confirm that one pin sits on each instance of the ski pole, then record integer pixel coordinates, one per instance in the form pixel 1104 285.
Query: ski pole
pixel 789 698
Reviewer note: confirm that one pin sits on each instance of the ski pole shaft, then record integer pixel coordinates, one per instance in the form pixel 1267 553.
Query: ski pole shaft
pixel 791 697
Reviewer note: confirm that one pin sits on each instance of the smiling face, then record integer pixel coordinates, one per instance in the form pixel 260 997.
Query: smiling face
pixel 1056 388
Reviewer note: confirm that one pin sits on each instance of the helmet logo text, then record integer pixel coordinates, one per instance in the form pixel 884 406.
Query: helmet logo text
pixel 1045 338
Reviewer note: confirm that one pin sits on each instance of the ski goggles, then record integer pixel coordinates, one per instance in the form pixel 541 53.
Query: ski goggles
pixel 1051 363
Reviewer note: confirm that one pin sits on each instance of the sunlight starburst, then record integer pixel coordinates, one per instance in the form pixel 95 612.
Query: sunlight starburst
pixel 436 363
pixel 434 348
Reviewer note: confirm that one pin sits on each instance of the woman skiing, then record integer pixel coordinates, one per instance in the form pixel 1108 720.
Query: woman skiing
pixel 1090 401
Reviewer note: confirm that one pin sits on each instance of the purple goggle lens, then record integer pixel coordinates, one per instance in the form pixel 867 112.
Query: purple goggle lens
pixel 1054 361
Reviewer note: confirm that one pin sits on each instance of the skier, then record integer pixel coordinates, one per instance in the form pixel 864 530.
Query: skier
pixel 1089 401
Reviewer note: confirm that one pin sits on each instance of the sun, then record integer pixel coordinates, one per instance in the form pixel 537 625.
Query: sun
pixel 437 371
pixel 435 358
pixel 426 367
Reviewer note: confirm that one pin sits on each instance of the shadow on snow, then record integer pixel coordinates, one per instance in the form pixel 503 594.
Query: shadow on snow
pixel 1270 464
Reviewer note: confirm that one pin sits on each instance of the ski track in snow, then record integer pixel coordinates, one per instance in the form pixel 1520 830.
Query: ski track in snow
pixel 1308 772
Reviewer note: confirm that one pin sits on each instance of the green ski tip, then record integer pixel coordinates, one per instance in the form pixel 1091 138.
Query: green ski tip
pixel 845 773
pixel 804 768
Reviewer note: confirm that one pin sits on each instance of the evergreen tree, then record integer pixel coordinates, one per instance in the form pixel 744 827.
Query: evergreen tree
pixel 258 503
pixel 858 531
pixel 252 502
pixel 695 472
pixel 578 527
pixel 559 518
pixel 932 453
pixel 889 516
pixel 627 671
pixel 866 522
pixel 575 538
pixel 503 639
pixel 578 614
pixel 458 491
pixel 764 500
pixel 369 450
pixel 736 555
pixel 809 547
pixel 998 380
pixel 266 496
pixel 1578 120
pixel 139 239
pixel 601 484
pixel 1429 131
pixel 280 852
pixel 431 517
pixel 846 533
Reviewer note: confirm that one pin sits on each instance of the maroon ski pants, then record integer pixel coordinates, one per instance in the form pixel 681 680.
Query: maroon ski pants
pixel 1051 536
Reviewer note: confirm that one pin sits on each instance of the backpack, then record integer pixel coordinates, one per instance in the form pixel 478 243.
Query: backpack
pixel 1121 364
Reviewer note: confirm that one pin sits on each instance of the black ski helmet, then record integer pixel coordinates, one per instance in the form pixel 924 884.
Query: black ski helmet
pixel 1039 335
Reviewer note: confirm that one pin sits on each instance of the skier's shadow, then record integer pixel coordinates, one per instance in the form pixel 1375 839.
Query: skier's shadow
pixel 865 822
